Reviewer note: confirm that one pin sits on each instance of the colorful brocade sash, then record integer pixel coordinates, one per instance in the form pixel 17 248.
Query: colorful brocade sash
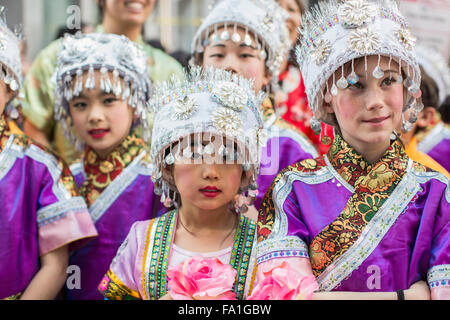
pixel 373 184
pixel 154 277
pixel 101 172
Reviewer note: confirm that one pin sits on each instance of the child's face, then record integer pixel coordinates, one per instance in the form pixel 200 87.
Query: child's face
pixel 207 185
pixel 295 17
pixel 129 11
pixel 101 120
pixel 5 95
pixel 237 57
pixel 370 110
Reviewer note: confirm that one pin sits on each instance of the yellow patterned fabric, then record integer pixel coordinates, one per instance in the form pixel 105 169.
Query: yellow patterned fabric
pixel 21 140
pixel 113 289
pixel 101 172
pixel 423 158
pixel 13 297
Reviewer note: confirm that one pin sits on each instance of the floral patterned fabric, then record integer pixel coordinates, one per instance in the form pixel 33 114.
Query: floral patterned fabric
pixel 349 218
pixel 373 185
pixel 101 172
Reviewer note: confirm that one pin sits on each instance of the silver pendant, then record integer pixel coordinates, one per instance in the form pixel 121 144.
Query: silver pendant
pixel 187 152
pixel 222 150
pixel 377 73
pixel 334 90
pixel 408 83
pixel 209 149
pixel 215 38
pixel 248 40
pixel 352 78
pixel 170 159
pixel 225 36
pixel 236 38
pixel 263 55
pixel 342 83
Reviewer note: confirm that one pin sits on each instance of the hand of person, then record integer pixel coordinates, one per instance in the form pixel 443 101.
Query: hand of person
pixel 418 291
pixel 167 296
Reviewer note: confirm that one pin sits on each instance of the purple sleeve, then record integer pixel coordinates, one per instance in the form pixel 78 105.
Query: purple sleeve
pixel 62 215
pixel 439 268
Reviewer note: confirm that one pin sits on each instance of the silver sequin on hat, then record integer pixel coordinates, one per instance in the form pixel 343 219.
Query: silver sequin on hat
pixel 109 54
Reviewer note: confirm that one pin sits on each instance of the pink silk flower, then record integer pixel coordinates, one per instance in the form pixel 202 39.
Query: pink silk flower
pixel 284 283
pixel 201 279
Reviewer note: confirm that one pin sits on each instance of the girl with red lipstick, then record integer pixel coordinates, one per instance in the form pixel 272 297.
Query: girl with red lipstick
pixel 206 149
pixel 121 17
pixel 102 95
pixel 364 219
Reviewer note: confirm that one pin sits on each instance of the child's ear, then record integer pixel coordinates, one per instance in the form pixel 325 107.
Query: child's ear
pixel 245 178
pixel 267 77
pixel 327 103
pixel 9 93
pixel 426 117
pixel 167 173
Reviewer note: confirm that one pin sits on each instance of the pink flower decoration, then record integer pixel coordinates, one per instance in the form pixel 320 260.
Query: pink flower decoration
pixel 104 284
pixel 202 279
pixel 284 283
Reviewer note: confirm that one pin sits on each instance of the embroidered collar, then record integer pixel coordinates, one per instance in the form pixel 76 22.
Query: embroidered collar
pixel 373 183
pixel 352 166
pixel 4 132
pixel 101 172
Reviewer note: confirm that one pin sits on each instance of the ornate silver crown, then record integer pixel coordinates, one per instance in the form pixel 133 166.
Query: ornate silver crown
pixel 267 24
pixel 335 32
pixel 211 101
pixel 108 53
pixel 9 55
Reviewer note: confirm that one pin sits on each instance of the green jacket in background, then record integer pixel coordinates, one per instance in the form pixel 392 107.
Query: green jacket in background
pixel 39 91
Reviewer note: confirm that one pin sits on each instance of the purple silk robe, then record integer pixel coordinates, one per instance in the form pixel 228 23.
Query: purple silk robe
pixel 285 146
pixel 436 144
pixel 39 213
pixel 127 199
pixel 407 240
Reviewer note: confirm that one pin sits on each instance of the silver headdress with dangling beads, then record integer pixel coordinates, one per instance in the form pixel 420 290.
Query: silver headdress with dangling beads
pixel 335 32
pixel 207 101
pixel 434 64
pixel 264 19
pixel 108 53
pixel 9 55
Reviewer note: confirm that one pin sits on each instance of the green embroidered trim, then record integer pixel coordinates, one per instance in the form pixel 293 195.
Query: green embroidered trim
pixel 163 238
pixel 160 254
pixel 240 254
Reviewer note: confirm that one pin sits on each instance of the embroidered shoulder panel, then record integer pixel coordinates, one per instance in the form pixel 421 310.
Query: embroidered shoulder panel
pixel 64 184
pixel 266 217
pixel 424 174
pixel 113 289
pixel 290 246
pixel 439 276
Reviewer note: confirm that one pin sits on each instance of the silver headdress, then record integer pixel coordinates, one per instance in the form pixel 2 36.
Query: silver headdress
pixel 108 53
pixel 335 32
pixel 437 68
pixel 210 101
pixel 9 55
pixel 264 19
